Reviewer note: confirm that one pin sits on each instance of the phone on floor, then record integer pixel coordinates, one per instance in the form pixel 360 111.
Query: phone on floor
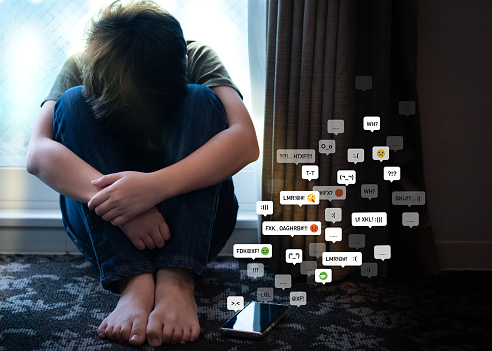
pixel 255 320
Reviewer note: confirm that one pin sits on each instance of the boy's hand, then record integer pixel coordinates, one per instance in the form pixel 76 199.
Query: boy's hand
pixel 147 230
pixel 123 196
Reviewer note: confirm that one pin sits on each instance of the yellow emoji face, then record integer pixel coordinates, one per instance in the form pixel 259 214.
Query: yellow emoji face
pixel 380 153
pixel 311 198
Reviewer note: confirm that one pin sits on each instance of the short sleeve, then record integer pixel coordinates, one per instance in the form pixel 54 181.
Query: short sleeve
pixel 206 68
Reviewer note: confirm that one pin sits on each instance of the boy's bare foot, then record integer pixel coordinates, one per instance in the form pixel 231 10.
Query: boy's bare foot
pixel 175 315
pixel 128 321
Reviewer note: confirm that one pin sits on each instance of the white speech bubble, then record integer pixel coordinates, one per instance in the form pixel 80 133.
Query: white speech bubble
pixel 264 208
pixel 382 252
pixel 391 173
pixel 299 198
pixel 408 198
pixel 298 298
pixel 380 153
pixel 336 126
pixel 357 241
pixel 372 123
pixel 264 294
pixel 293 256
pixel 235 303
pixel 369 219
pixel 346 177
pixel 255 270
pixel 327 146
pixel 252 251
pixel 355 155
pixel 369 191
pixel 296 156
pixel 323 276
pixel 333 214
pixel 310 172
pixel 342 259
pixel 283 281
pixel 330 192
pixel 316 250
pixel 333 234
pixel 308 267
pixel 291 228
pixel 410 219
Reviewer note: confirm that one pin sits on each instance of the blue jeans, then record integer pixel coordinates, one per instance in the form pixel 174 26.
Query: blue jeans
pixel 200 221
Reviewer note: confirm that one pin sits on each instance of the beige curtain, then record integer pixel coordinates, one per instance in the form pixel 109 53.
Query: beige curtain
pixel 315 49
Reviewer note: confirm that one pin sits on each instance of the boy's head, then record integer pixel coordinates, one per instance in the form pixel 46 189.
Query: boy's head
pixel 134 66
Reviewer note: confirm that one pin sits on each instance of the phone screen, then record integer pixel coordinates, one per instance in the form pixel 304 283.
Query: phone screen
pixel 256 317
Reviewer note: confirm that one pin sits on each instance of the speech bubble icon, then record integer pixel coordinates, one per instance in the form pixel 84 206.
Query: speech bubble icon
pixel 323 276
pixel 382 252
pixel 333 234
pixel 308 267
pixel 316 250
pixel 355 155
pixel 369 269
pixel 333 214
pixel 296 156
pixel 264 294
pixel 336 126
pixel 255 270
pixel 283 281
pixel 342 259
pixel 327 147
pixel 369 191
pixel 372 123
pixel 346 177
pixel 369 219
pixel 298 298
pixel 391 173
pixel 300 198
pixel 410 219
pixel 380 153
pixel 310 172
pixel 408 198
pixel 235 303
pixel 293 256
pixel 331 192
pixel 264 208
pixel 357 241
pixel 406 108
pixel 363 83
pixel 291 228
pixel 394 143
pixel 252 250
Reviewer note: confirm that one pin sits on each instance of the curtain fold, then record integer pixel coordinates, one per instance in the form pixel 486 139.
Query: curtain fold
pixel 315 50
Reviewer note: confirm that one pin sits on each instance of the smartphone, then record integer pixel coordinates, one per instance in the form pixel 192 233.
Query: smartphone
pixel 255 320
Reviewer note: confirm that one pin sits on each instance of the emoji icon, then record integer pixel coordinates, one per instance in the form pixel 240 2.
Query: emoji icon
pixel 380 153
pixel 313 228
pixel 265 250
pixel 311 198
pixel 339 193
pixel 323 275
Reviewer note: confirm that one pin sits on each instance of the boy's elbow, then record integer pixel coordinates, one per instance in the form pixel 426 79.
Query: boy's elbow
pixel 32 165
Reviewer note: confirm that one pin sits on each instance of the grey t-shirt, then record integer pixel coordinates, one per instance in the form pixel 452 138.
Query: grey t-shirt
pixel 204 67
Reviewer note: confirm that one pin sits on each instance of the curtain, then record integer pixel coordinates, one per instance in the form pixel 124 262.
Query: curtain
pixel 344 60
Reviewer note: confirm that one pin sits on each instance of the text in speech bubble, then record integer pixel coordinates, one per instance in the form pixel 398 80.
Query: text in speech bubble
pixel 382 252
pixel 264 208
pixel 331 192
pixel 293 256
pixel 369 219
pixel 333 234
pixel 406 108
pixel 372 123
pixel 323 276
pixel 333 214
pixel 355 155
pixel 310 172
pixel 346 177
pixel 336 126
pixel 391 173
pixel 408 198
pixel 369 269
pixel 410 219
pixel 255 270
pixel 363 83
pixel 357 241
pixel 295 156
pixel 342 259
pixel 394 143
pixel 308 267
pixel 369 191
pixel 316 250
pixel 299 198
pixel 283 281
pixel 264 294
pixel 291 228
pixel 235 303
pixel 298 298
pixel 380 153
pixel 252 251
pixel 327 146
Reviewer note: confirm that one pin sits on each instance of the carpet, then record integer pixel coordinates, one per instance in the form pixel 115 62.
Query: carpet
pixel 57 303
